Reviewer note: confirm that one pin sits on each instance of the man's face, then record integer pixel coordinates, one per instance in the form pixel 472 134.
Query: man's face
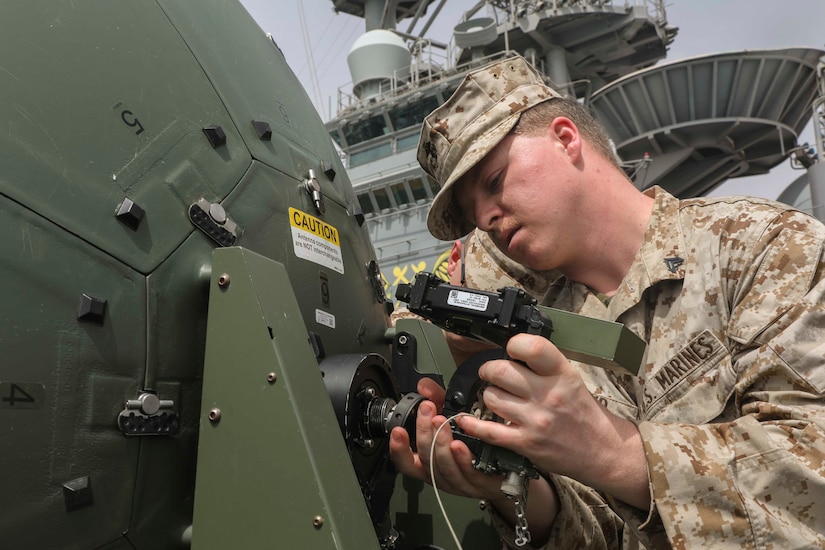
pixel 521 193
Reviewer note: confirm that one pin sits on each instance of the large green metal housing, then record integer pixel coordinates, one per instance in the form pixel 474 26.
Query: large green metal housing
pixel 119 120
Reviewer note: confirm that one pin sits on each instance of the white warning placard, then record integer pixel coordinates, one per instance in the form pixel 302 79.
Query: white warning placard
pixel 315 240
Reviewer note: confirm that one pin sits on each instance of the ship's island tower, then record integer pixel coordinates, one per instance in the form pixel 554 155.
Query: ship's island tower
pixel 687 126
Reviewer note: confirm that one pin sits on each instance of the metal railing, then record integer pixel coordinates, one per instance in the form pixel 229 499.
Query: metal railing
pixel 433 61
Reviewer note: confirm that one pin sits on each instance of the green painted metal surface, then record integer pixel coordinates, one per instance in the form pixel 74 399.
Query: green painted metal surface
pixel 107 101
pixel 104 102
pixel 272 468
pixel 415 510
pixel 594 341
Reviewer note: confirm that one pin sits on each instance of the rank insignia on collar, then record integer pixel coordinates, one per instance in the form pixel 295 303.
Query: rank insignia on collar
pixel 673 263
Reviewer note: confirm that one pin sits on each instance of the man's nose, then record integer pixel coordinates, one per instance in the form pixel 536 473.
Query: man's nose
pixel 487 215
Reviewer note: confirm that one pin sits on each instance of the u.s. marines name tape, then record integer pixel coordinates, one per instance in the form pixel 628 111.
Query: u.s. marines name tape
pixel 315 240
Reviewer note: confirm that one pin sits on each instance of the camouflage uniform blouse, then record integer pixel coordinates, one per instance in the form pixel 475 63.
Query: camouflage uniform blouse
pixel 728 293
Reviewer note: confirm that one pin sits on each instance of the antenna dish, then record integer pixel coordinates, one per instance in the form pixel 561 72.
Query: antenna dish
pixel 475 32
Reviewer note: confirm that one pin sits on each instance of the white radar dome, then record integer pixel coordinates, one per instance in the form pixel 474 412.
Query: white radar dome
pixel 375 59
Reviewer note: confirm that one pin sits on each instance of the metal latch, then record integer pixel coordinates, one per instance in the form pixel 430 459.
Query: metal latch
pixel 313 187
pixel 148 415
pixel 211 218
pixel 374 276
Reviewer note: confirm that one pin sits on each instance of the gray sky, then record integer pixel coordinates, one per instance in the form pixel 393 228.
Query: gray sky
pixel 705 26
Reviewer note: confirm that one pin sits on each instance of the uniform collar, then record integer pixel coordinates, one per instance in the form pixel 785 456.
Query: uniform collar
pixel 662 256
pixel 663 252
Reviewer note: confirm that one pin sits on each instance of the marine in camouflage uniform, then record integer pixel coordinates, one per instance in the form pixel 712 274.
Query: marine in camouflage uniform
pixel 728 295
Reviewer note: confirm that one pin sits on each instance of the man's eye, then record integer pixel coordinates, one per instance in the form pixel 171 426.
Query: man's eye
pixel 494 182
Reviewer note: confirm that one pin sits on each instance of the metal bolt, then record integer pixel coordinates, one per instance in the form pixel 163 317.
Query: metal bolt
pixel 149 403
pixel 482 504
pixel 217 213
pixel 366 394
pixel 223 280
pixel 215 415
pixel 402 340
pixel 271 377
pixel 318 522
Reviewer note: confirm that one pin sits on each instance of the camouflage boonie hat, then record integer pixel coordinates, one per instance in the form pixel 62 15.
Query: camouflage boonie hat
pixel 484 108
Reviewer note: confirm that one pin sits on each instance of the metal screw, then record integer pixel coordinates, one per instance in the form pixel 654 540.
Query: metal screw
pixel 223 280
pixel 271 377
pixel 482 504
pixel 318 522
pixel 458 399
pixel 402 340
pixel 215 415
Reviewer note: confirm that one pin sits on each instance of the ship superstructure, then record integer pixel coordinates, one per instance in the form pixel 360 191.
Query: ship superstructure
pixel 687 126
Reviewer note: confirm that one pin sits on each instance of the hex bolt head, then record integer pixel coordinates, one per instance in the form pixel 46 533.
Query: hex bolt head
pixel 271 377
pixel 215 415
pixel 328 170
pixel 77 493
pixel 318 522
pixel 263 129
pixel 91 308
pixel 223 280
pixel 358 214
pixel 215 135
pixel 129 214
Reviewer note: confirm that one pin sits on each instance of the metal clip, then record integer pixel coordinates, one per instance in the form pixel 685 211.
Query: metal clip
pixel 313 187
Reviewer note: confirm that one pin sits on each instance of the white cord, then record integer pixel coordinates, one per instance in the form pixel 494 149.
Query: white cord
pixel 432 478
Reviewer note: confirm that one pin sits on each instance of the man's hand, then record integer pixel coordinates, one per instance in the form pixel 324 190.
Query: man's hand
pixel 554 421
pixel 453 467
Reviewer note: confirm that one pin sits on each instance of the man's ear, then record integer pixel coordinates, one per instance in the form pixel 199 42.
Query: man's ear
pixel 567 133
pixel 454 260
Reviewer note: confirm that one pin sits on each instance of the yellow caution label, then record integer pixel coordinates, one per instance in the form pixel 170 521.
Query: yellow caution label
pixel 315 240
pixel 311 224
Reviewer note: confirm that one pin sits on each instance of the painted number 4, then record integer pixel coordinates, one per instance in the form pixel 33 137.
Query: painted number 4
pixel 21 396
